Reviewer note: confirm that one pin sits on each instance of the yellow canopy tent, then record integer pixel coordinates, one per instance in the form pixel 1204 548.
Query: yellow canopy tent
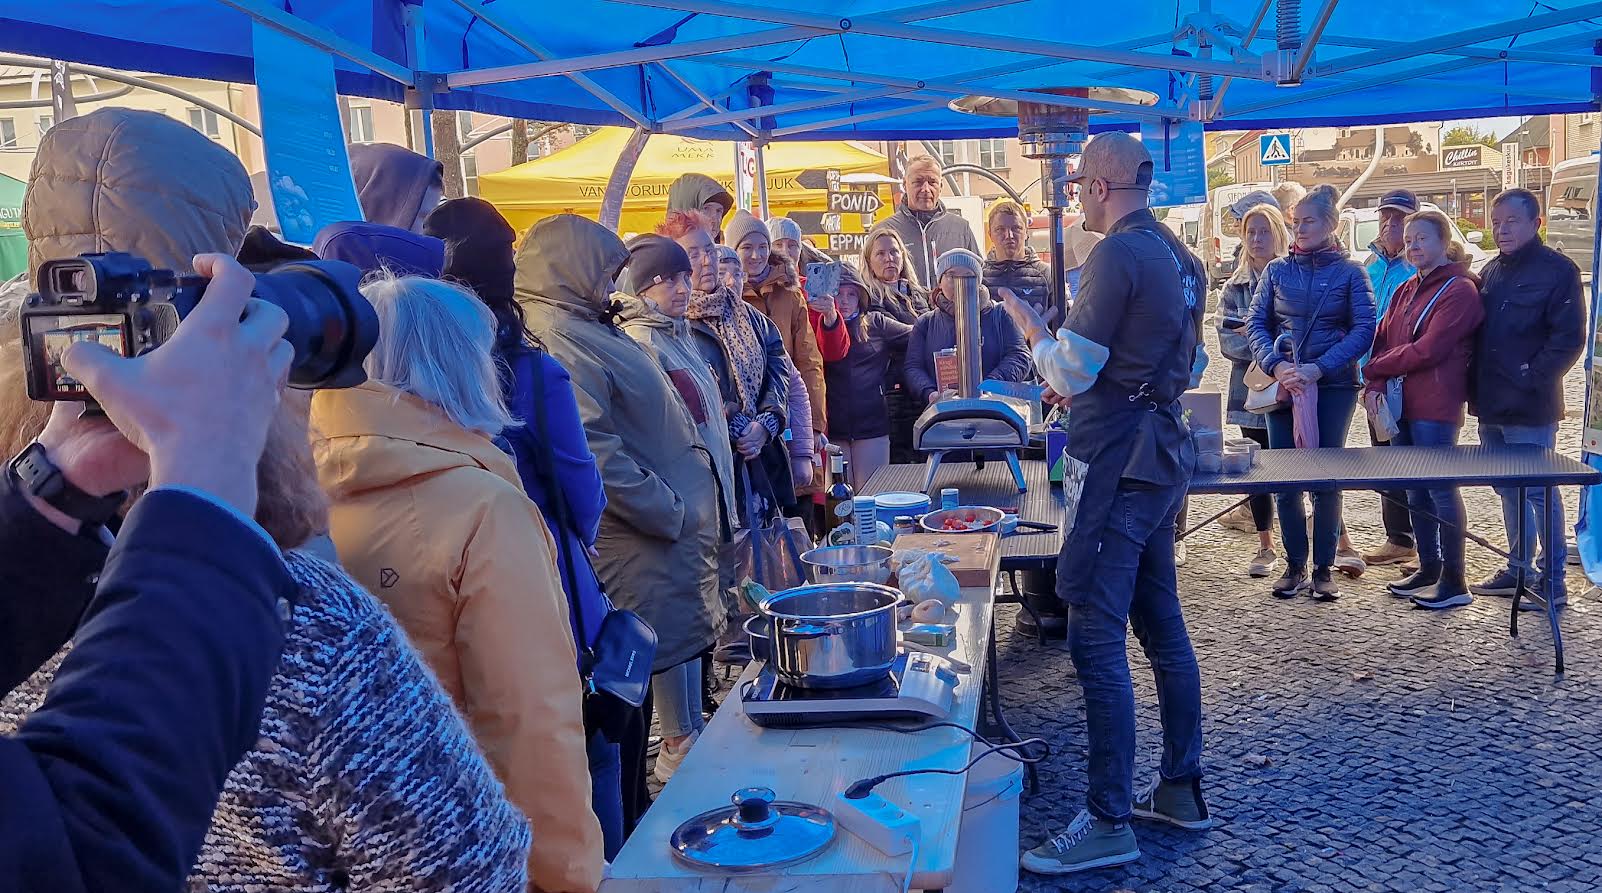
pixel 574 179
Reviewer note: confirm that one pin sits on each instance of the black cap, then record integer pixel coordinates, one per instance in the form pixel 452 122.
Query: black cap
pixel 654 259
pixel 1401 199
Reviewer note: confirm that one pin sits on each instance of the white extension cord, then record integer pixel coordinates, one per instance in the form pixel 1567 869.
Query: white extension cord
pixel 885 826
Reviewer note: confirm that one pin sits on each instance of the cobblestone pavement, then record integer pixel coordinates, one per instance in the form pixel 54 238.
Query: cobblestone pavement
pixel 1360 745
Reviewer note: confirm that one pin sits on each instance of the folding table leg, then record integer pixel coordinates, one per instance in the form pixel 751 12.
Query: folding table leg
pixel 1523 562
pixel 1549 583
pixel 992 693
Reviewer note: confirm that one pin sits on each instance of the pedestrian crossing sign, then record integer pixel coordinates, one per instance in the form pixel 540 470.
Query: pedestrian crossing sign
pixel 1275 148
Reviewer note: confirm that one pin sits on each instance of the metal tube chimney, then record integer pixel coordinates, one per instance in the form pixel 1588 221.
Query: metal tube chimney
pixel 959 273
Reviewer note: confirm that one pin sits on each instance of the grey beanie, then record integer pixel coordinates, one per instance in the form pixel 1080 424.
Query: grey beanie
pixel 783 228
pixel 741 226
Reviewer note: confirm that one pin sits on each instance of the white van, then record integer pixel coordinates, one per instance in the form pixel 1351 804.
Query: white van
pixel 1360 227
pixel 1571 211
pixel 1220 229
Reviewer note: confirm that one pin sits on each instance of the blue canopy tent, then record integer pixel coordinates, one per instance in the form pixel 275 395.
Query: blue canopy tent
pixel 879 69
pixel 767 70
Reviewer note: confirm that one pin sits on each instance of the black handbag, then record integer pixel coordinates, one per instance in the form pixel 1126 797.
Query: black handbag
pixel 618 662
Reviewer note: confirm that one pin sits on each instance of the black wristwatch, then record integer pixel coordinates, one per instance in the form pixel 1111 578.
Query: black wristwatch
pixel 40 477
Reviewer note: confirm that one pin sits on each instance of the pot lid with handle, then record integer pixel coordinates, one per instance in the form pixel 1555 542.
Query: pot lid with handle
pixel 754 833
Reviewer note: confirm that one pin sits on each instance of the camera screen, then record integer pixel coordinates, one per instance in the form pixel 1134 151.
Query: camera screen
pixel 51 335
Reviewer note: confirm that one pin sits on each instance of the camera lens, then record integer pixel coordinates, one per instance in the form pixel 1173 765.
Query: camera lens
pixel 331 325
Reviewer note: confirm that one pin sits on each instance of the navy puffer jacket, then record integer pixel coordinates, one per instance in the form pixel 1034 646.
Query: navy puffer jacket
pixel 1325 301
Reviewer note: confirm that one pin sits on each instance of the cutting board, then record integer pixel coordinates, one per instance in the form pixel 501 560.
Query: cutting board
pixel 975 553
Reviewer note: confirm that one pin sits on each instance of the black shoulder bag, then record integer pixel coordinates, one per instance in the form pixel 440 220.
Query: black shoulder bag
pixel 618 663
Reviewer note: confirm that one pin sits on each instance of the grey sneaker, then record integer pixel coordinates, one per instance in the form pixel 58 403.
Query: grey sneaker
pixel 1348 562
pixel 1504 582
pixel 1180 554
pixel 1087 843
pixel 1178 803
pixel 1262 564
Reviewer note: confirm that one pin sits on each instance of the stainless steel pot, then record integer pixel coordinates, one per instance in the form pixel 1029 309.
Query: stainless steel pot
pixel 756 626
pixel 848 564
pixel 832 635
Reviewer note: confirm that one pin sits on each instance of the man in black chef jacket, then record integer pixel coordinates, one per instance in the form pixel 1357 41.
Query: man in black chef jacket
pixel 1123 358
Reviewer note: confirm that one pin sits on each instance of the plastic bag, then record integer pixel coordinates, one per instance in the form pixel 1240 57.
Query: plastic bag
pixel 924 575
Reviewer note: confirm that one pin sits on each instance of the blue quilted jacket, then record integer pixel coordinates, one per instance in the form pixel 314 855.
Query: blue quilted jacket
pixel 1325 301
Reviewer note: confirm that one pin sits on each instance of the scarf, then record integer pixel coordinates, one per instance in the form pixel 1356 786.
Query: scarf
pixel 727 317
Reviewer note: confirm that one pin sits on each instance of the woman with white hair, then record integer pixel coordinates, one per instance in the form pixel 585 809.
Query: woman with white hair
pixel 430 515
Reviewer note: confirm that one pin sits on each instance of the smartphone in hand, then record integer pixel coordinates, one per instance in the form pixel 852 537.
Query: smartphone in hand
pixel 823 280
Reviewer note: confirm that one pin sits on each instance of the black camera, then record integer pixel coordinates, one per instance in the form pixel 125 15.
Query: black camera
pixel 120 301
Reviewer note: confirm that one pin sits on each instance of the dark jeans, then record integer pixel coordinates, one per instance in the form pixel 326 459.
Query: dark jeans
pixel 1133 581
pixel 1440 543
pixel 1393 507
pixel 606 790
pixel 1262 505
pixel 1335 406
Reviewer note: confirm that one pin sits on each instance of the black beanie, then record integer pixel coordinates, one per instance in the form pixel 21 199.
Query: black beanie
pixel 652 259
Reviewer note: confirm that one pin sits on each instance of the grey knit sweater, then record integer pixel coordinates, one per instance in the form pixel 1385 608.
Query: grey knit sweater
pixel 364 779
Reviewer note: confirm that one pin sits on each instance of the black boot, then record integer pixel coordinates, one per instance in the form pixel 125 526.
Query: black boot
pixel 1427 576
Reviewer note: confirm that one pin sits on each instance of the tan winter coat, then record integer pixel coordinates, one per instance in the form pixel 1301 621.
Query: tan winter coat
pixel 659 534
pixel 432 519
pixel 780 299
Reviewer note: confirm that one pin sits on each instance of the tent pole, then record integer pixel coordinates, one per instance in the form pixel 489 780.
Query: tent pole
pixel 762 179
pixel 618 185
pixel 416 54
pixel 321 38
pixel 1467 37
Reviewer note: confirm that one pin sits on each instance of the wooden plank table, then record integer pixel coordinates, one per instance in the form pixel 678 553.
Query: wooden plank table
pixel 812 765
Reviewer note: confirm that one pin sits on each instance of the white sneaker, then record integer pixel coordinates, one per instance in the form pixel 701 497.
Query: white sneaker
pixel 1263 564
pixel 671 758
pixel 1348 562
pixel 1179 554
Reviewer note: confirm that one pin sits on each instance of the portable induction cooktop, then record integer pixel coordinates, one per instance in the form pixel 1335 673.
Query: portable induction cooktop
pixel 919 686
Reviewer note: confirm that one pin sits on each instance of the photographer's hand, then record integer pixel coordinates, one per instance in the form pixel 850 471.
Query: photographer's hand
pixel 199 405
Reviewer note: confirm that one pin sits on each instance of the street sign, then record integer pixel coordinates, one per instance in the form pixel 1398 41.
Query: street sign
pixel 1275 148
pixel 855 202
pixel 1511 163
pixel 817 222
pixel 843 244
pixel 1460 156
pixel 819 178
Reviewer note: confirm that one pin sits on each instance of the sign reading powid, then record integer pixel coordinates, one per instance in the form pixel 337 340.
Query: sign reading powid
pixel 855 202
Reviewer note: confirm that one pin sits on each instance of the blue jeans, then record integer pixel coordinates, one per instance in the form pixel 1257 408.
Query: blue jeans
pixel 1440 545
pixel 1335 407
pixel 677 692
pixel 1134 582
pixel 1553 554
pixel 606 791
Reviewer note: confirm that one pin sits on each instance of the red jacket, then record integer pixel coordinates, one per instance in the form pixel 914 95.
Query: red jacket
pixel 833 342
pixel 1436 363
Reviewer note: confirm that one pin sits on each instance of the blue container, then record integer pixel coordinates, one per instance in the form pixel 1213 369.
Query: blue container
pixel 892 505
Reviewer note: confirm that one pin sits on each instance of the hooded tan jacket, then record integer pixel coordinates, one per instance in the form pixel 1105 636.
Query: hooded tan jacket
pixel 661 528
pixel 779 298
pixel 432 519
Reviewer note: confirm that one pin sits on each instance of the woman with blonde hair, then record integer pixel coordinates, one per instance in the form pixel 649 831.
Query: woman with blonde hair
pixel 1263 239
pixel 1421 360
pixel 431 515
pixel 1318 303
pixel 893 289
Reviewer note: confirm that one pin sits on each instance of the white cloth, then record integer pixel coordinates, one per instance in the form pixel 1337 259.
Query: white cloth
pixel 1070 362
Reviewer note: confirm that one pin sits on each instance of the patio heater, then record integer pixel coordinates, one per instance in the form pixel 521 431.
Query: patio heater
pixel 1052 134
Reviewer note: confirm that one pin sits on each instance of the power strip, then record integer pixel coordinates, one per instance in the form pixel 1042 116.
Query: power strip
pixel 889 828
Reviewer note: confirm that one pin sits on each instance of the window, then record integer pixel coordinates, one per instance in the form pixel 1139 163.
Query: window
pixel 205 121
pixel 45 123
pixel 993 154
pixel 470 174
pixel 946 151
pixel 361 123
pixel 8 133
pixel 464 125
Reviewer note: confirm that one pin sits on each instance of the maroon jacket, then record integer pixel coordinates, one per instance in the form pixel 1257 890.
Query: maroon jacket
pixel 1436 363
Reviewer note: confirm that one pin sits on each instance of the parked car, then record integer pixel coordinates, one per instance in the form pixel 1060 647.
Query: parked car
pixel 1360 227
pixel 1571 211
pixel 1220 229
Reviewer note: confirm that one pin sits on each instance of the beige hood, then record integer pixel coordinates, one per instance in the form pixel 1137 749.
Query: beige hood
pixel 134 181
pixel 568 262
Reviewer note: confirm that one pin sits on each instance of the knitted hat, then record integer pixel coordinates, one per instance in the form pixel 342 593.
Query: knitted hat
pixel 1251 200
pixel 652 259
pixel 783 228
pixel 742 226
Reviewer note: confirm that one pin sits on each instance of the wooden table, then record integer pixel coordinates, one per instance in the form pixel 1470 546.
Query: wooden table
pixel 812 765
pixel 993 485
